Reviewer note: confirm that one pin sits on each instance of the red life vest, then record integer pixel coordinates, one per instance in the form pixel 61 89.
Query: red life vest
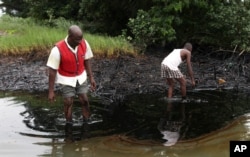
pixel 70 64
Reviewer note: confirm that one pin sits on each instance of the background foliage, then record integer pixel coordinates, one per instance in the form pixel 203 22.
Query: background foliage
pixel 217 24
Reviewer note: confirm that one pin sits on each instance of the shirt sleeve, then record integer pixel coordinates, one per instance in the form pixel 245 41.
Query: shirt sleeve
pixel 54 58
pixel 89 53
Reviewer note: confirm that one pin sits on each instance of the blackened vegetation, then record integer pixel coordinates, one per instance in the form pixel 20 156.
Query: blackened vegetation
pixel 125 75
pixel 122 81
pixel 122 76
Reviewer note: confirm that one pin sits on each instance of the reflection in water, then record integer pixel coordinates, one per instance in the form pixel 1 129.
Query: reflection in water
pixel 215 144
pixel 170 125
pixel 69 133
pixel 73 133
pixel 202 127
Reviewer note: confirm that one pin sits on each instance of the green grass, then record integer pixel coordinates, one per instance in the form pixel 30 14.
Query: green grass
pixel 110 46
pixel 20 36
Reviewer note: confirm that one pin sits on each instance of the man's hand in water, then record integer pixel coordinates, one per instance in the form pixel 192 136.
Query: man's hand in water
pixel 51 97
pixel 193 82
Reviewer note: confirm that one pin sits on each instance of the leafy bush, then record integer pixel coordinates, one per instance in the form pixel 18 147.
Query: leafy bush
pixel 229 26
pixel 147 30
pixel 220 24
pixel 156 25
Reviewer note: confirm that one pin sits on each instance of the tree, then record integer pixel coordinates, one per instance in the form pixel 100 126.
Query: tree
pixel 102 16
pixel 229 25
pixel 156 25
pixel 15 7
pixel 52 9
pixel 219 23
pixel 110 17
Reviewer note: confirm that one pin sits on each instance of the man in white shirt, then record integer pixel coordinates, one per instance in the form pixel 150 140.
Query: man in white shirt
pixel 69 65
pixel 170 70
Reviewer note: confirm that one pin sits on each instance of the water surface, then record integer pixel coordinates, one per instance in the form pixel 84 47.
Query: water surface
pixel 142 125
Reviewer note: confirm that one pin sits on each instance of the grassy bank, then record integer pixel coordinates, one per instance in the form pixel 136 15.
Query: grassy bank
pixel 24 37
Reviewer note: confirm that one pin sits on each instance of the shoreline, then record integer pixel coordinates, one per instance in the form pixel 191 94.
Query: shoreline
pixel 118 77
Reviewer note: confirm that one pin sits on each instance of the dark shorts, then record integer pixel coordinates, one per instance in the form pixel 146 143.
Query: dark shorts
pixel 69 91
pixel 168 73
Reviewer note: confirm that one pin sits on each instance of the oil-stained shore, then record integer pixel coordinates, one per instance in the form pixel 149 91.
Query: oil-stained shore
pixel 139 78
pixel 120 76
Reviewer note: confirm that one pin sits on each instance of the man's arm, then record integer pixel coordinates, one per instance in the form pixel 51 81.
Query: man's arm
pixel 52 77
pixel 189 67
pixel 87 65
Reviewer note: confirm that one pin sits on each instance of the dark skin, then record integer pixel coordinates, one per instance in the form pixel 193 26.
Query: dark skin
pixel 75 36
pixel 185 56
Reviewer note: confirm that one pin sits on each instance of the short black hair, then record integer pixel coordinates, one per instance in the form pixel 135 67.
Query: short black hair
pixel 188 46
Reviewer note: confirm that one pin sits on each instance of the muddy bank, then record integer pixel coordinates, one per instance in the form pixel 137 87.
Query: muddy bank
pixel 125 75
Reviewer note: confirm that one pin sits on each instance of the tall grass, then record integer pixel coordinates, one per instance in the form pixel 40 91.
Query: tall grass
pixel 23 36
pixel 20 36
pixel 110 46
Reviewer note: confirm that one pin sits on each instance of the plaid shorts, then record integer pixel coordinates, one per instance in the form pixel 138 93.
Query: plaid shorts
pixel 168 73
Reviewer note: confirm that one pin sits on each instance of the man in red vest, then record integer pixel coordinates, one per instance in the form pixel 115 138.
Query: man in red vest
pixel 69 66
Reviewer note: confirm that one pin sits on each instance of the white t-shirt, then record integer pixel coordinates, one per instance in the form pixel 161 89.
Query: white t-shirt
pixel 173 60
pixel 54 62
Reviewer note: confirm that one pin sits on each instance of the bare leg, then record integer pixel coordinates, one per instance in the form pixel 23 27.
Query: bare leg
pixel 182 82
pixel 170 83
pixel 68 103
pixel 85 105
pixel 183 118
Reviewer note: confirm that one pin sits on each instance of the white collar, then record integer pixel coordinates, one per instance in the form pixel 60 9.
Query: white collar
pixel 73 50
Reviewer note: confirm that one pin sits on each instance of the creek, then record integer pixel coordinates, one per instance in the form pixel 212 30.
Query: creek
pixel 141 125
pixel 130 115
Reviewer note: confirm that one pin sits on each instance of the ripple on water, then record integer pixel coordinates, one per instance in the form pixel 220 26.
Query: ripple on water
pixel 119 144
pixel 214 144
